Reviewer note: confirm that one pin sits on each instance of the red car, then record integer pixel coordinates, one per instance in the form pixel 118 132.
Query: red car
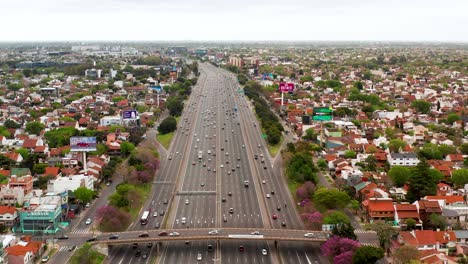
pixel 163 233
pixel 241 249
pixel 274 216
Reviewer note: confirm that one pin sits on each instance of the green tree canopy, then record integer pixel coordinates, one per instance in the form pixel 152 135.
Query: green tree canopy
pixel 384 232
pixel 126 148
pixel 330 199
pixel 169 124
pixel 421 106
pixel 396 144
pixel 301 168
pixel 460 177
pixel 336 218
pixel 399 175
pixel 84 194
pixel 34 128
pixel 405 254
pixel 367 255
pixel 421 182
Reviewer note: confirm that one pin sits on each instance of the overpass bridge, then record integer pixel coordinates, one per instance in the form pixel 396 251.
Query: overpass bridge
pixel 192 234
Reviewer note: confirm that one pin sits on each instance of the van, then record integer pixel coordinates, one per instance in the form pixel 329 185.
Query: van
pixel 183 220
pixel 199 256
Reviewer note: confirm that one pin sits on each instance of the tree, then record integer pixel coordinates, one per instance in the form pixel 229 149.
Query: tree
pixel 354 205
pixel 34 128
pixel 405 254
pixel 330 199
pixel 85 255
pixel 367 254
pixel 438 221
pixel 452 117
pixel 175 105
pixel 168 125
pixel 4 132
pixel 396 144
pixel 399 175
pixel 384 232
pixel 410 223
pixel 84 194
pixel 11 124
pixel 344 230
pixel 322 164
pixel 310 135
pixel 371 162
pixel 464 148
pixel 126 148
pixel 421 106
pixel 460 177
pixel 336 218
pixel 350 154
pixel 301 168
pixel 421 182
pixel 335 246
pixel 111 219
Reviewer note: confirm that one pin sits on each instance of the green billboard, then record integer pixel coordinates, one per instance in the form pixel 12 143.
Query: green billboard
pixel 322 114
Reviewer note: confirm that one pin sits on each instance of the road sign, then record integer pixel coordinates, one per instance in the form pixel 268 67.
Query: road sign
pixel 264 136
pixel 286 87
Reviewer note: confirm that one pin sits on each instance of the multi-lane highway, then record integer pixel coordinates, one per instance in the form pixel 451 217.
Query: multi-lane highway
pixel 218 174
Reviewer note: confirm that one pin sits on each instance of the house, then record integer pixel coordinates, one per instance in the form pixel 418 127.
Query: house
pixel 11 196
pixel 52 171
pixel 379 209
pixel 426 208
pixel 8 215
pixel 403 159
pixel 441 241
pixel 14 156
pixel 25 251
pixel 23 182
pixel 403 212
pixel 455 158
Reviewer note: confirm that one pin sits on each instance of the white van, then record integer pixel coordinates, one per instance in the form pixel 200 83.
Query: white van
pixel 199 256
pixel 183 220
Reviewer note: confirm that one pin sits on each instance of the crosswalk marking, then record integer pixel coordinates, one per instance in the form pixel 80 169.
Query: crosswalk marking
pixel 80 231
pixel 363 231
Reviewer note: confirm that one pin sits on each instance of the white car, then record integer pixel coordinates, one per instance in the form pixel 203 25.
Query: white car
pixel 174 234
pixel 155 214
pixel 268 195
pixel 213 232
pixel 264 252
pixel 264 181
pixel 187 201
pixel 88 221
pixel 309 235
pixel 255 233
pixel 222 166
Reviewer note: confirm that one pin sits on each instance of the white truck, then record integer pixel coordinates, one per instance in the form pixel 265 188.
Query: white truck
pixel 200 154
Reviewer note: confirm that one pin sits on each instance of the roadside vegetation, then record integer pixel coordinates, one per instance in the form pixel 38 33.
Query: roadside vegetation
pixel 86 255
pixel 179 92
pixel 124 205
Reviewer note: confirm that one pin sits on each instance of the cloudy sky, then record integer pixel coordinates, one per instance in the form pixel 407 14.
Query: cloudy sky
pixel 407 20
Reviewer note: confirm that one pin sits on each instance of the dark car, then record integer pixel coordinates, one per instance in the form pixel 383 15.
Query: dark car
pixel 63 237
pixel 162 233
pixel 138 253
pixel 210 248
pixel 149 245
pixel 278 208
pixel 283 224
pixel 72 248
pixel 157 225
pixel 113 237
pixel 143 235
pixel 241 249
pixel 135 245
pixel 91 239
pixel 223 199
pixel 162 212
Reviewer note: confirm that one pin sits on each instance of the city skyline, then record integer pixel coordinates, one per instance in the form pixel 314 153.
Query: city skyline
pixel 256 20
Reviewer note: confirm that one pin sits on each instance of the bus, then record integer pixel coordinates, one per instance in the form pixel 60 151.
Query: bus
pixel 144 217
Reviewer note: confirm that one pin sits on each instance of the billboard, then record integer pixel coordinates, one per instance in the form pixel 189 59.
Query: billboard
pixel 83 144
pixel 322 114
pixel 157 88
pixel 129 115
pixel 286 87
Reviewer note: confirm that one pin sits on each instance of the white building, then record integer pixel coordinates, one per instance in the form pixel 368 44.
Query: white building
pixel 110 121
pixel 403 159
pixel 70 183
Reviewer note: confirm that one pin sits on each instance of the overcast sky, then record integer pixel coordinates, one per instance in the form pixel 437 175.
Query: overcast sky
pixel 395 20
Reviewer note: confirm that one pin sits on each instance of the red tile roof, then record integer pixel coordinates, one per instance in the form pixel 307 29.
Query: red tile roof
pixel 29 143
pixel 53 171
pixel 448 199
pixel 7 209
pixel 405 211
